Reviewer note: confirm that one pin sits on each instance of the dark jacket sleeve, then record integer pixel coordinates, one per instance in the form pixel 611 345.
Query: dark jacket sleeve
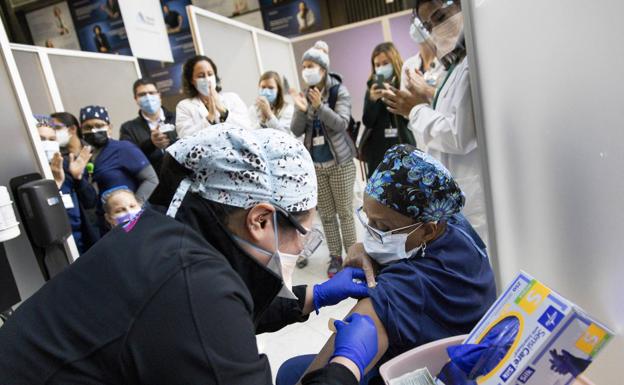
pixel 283 312
pixel 197 329
pixel 86 193
pixel 371 111
pixel 128 132
pixel 332 374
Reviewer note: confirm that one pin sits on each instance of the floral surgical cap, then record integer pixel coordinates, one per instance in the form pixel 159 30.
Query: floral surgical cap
pixel 243 167
pixel 416 185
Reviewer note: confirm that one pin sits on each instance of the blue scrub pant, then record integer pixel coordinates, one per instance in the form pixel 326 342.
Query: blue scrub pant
pixel 291 371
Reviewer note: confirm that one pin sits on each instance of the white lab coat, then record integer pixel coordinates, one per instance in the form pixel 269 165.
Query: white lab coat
pixel 191 114
pixel 448 134
pixel 280 122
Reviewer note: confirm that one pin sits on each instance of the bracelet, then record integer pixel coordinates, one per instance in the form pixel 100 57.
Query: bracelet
pixel 224 116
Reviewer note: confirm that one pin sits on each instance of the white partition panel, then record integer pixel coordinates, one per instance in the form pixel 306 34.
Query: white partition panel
pixel 20 153
pixel 231 46
pixel 277 55
pixel 33 77
pixel 549 101
pixel 85 78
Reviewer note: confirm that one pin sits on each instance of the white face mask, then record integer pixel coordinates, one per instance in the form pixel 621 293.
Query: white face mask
pixel 50 147
pixel 392 249
pixel 312 76
pixel 386 247
pixel 445 35
pixel 63 136
pixel 417 32
pixel 282 264
pixel 206 85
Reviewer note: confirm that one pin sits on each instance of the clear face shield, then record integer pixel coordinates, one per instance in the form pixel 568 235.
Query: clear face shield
pixel 443 21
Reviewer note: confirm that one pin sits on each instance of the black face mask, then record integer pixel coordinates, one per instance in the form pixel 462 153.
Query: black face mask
pixel 96 139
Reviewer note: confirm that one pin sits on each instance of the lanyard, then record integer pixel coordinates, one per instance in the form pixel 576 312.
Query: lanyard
pixel 437 94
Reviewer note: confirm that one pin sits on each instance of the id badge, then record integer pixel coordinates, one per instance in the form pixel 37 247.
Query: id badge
pixel 391 133
pixel 318 140
pixel 67 201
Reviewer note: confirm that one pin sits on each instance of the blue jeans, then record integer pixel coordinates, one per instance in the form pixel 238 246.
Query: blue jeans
pixel 291 371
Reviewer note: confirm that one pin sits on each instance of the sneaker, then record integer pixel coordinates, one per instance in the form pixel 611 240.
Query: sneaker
pixel 302 261
pixel 335 265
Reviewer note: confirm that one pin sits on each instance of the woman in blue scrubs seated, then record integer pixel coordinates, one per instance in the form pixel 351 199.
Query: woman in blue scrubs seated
pixel 116 162
pixel 434 277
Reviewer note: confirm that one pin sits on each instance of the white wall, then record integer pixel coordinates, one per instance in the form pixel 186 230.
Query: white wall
pixel 550 85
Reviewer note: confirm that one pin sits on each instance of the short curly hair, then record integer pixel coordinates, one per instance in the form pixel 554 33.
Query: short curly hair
pixel 187 74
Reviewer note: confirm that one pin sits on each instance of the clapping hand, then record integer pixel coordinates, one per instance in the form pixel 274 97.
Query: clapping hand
pixel 78 163
pixel 159 139
pixel 300 100
pixel 315 97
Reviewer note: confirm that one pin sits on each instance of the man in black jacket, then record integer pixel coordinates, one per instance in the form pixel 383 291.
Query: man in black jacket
pixel 154 129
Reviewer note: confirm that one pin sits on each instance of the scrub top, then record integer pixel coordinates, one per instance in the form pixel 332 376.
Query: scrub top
pixel 442 294
pixel 118 164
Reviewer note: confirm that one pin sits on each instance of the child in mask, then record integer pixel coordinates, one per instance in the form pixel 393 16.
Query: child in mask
pixel 120 205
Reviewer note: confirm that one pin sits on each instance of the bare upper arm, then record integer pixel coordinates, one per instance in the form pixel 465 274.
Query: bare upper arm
pixel 364 307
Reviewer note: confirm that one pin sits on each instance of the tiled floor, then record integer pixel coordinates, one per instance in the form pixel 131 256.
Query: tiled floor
pixel 310 336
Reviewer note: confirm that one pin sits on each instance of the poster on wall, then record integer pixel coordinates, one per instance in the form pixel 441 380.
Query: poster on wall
pixel 53 27
pixel 293 18
pixel 228 8
pixel 100 26
pixel 145 28
pixel 168 76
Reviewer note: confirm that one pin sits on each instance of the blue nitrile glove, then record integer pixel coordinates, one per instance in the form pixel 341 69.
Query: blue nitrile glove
pixel 565 363
pixel 340 287
pixel 356 340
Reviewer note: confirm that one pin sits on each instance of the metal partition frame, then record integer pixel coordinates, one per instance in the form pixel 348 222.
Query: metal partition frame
pixel 44 55
pixel 23 154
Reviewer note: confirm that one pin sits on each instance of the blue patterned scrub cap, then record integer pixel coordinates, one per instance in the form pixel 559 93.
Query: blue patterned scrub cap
pixel 242 167
pixel 94 112
pixel 416 185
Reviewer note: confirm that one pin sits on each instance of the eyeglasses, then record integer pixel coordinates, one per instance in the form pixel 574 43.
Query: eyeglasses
pixel 377 234
pixel 91 127
pixel 141 94
pixel 311 239
pixel 291 219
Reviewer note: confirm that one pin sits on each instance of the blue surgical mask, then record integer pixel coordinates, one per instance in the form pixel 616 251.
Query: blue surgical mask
pixel 269 93
pixel 150 104
pixel 386 70
pixel 206 85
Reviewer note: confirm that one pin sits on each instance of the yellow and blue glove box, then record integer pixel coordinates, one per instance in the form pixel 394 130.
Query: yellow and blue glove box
pixel 553 340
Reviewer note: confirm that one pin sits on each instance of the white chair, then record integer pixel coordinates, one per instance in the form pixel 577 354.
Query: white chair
pixel 432 355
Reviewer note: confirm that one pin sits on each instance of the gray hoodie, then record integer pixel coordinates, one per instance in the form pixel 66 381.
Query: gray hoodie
pixel 336 121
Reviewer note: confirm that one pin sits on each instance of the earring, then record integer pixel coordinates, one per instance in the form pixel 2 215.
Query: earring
pixel 423 247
